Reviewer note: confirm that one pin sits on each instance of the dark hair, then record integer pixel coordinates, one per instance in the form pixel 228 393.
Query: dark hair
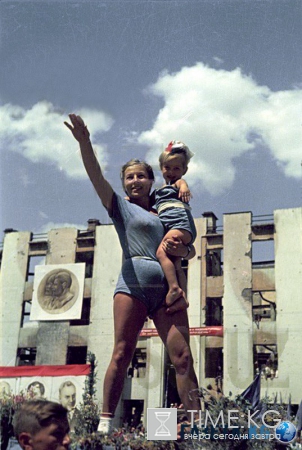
pixel 137 162
pixel 34 415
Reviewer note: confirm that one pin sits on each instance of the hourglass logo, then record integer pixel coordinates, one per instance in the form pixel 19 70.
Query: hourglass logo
pixel 162 424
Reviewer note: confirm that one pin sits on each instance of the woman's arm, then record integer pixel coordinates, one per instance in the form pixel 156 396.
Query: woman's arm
pixel 93 169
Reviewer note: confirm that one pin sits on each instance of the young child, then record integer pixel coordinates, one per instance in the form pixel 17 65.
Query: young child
pixel 171 202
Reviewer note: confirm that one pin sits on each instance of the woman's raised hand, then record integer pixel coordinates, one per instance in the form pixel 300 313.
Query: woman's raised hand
pixel 79 129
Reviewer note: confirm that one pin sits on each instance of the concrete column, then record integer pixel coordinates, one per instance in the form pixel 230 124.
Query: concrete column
pixel 52 337
pixel 288 282
pixel 237 302
pixel 106 268
pixel 12 284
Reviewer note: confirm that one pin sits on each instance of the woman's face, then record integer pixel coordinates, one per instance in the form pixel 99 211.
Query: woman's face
pixel 136 182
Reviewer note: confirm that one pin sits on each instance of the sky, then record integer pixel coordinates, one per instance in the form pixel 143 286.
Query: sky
pixel 224 76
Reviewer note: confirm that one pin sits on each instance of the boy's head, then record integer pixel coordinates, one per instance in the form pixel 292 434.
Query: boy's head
pixel 42 425
pixel 174 161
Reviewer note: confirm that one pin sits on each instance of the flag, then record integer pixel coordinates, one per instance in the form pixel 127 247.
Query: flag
pixel 252 393
pixel 299 417
pixel 289 408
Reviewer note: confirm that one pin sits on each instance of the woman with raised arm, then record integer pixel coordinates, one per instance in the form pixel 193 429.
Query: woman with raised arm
pixel 141 288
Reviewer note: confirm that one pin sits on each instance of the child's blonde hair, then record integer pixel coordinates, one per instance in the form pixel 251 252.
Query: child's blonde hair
pixel 175 148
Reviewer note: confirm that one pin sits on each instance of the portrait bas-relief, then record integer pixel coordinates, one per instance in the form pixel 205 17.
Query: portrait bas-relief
pixel 58 292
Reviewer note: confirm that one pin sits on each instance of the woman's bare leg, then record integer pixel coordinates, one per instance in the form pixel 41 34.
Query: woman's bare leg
pixel 129 316
pixel 170 270
pixel 174 332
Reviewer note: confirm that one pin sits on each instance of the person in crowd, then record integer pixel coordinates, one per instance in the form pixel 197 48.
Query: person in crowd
pixel 42 425
pixel 141 288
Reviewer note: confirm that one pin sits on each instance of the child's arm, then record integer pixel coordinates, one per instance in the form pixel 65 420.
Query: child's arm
pixel 184 191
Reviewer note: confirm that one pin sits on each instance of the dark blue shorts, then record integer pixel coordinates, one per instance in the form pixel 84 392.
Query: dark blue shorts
pixel 178 219
pixel 143 279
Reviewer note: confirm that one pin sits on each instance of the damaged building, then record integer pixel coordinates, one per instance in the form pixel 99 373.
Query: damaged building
pixel 244 289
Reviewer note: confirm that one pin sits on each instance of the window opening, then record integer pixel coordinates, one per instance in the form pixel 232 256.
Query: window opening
pixel 263 253
pixel 87 258
pixel 25 318
pixel 214 311
pixel 214 263
pixel 26 356
pixel 85 314
pixel 263 308
pixel 33 261
pixel 133 413
pixel 213 362
pixel 76 355
pixel 137 367
pixel 266 361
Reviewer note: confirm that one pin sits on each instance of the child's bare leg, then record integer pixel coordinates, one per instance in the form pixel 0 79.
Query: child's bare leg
pixel 182 280
pixel 170 267
pixel 169 270
pixel 181 304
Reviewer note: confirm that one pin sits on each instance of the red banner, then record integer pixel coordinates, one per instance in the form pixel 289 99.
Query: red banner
pixel 44 371
pixel 194 331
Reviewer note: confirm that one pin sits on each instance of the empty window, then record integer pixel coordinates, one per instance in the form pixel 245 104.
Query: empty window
pixel 25 318
pixel 85 315
pixel 76 355
pixel 214 262
pixel 263 253
pixel 33 261
pixel 214 315
pixel 213 362
pixel 266 360
pixel 263 306
pixel 137 368
pixel 26 356
pixel 132 412
pixel 87 258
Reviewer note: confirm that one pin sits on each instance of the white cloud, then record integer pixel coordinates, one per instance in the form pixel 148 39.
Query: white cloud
pixel 220 115
pixel 40 135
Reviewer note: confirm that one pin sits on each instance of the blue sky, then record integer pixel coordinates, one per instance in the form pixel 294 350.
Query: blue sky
pixel 224 76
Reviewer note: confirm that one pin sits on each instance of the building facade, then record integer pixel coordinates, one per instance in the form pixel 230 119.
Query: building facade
pixel 245 280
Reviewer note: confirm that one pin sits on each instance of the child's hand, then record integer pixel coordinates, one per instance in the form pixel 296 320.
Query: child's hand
pixel 184 194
